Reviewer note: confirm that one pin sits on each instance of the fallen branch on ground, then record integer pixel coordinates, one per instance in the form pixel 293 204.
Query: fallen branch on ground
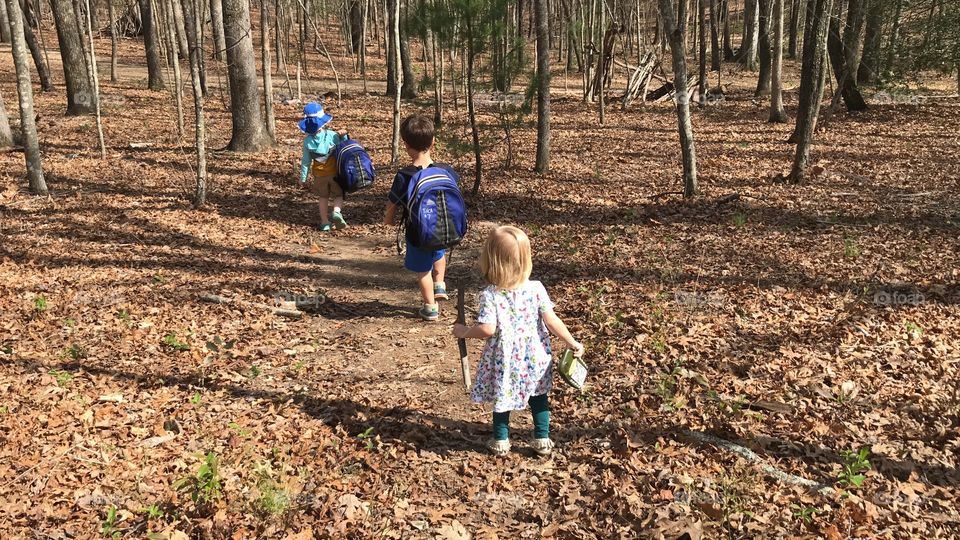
pixel 750 455
pixel 215 299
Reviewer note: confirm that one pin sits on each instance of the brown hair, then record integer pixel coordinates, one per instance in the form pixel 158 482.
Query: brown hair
pixel 506 260
pixel 417 131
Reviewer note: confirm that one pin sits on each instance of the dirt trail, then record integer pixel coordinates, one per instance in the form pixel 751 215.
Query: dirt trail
pixel 380 345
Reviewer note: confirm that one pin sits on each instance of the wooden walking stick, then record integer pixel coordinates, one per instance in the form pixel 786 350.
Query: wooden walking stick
pixel 461 342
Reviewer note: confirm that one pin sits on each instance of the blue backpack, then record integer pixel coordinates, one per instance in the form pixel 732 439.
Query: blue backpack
pixel 354 166
pixel 436 215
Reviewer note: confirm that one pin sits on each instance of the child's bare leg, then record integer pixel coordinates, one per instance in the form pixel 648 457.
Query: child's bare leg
pixel 324 210
pixel 426 287
pixel 439 270
pixel 337 203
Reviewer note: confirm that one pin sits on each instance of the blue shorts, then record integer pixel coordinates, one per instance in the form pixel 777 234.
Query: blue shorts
pixel 419 260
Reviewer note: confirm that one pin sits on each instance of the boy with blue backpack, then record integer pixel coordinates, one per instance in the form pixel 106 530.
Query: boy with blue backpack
pixel 433 209
pixel 318 158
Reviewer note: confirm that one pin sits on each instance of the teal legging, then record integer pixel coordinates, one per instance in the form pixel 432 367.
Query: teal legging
pixel 540 408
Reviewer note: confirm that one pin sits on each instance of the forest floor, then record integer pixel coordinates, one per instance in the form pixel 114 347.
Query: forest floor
pixel 800 322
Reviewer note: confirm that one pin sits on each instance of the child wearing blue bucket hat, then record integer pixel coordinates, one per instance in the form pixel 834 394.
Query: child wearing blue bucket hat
pixel 316 159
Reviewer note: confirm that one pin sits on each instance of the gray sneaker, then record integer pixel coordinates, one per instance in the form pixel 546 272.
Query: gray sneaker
pixel 430 312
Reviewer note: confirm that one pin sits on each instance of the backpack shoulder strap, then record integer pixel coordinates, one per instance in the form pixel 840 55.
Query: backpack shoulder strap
pixel 422 177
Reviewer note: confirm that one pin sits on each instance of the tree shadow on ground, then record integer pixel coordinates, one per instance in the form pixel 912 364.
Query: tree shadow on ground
pixel 340 310
pixel 183 251
pixel 423 430
pixel 777 274
pixel 545 211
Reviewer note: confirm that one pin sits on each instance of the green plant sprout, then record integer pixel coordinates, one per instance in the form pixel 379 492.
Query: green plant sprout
pixel 205 486
pixel 850 248
pixel 62 377
pixel 109 526
pixel 804 513
pixel 367 436
pixel 854 465
pixel 170 340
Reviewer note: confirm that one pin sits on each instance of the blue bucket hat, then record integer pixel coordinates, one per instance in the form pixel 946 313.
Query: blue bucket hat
pixel 313 118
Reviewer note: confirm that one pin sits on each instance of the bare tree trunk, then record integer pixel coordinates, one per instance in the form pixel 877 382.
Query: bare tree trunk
pixel 279 29
pixel 409 88
pixel 777 114
pixel 187 8
pixel 356 24
pixel 96 82
pixel 216 23
pixel 715 58
pixel 812 75
pixel 363 46
pixel 43 43
pixel 727 42
pixel 4 24
pixel 763 79
pixel 6 136
pixel 42 70
pixel 394 59
pixel 267 80
pixel 249 132
pixel 28 127
pixel 868 71
pixel 438 83
pixel 677 48
pixel 151 45
pixel 177 83
pixel 388 46
pixel 181 31
pixel 795 11
pixel 845 54
pixel 113 40
pixel 79 91
pixel 543 86
pixel 94 19
pixel 702 82
pixel 196 59
pixel 471 107
pixel 601 64
pixel 894 45
pixel 747 55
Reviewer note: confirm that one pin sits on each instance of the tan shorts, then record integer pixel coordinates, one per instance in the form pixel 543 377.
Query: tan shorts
pixel 325 187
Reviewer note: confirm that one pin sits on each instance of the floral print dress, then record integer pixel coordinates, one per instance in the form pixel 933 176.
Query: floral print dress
pixel 516 363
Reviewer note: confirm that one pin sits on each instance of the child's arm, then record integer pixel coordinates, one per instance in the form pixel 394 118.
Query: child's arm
pixel 557 328
pixel 478 331
pixel 305 161
pixel 486 325
pixel 389 216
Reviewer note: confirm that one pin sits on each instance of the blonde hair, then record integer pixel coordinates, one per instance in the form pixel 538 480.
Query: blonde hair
pixel 506 260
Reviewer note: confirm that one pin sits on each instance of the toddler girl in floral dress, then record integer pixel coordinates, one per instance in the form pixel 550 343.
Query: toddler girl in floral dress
pixel 516 317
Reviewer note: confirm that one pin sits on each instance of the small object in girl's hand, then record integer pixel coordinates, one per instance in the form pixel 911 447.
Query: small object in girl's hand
pixel 572 369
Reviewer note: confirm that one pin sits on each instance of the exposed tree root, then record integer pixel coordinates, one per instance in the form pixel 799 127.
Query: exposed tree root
pixel 751 456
